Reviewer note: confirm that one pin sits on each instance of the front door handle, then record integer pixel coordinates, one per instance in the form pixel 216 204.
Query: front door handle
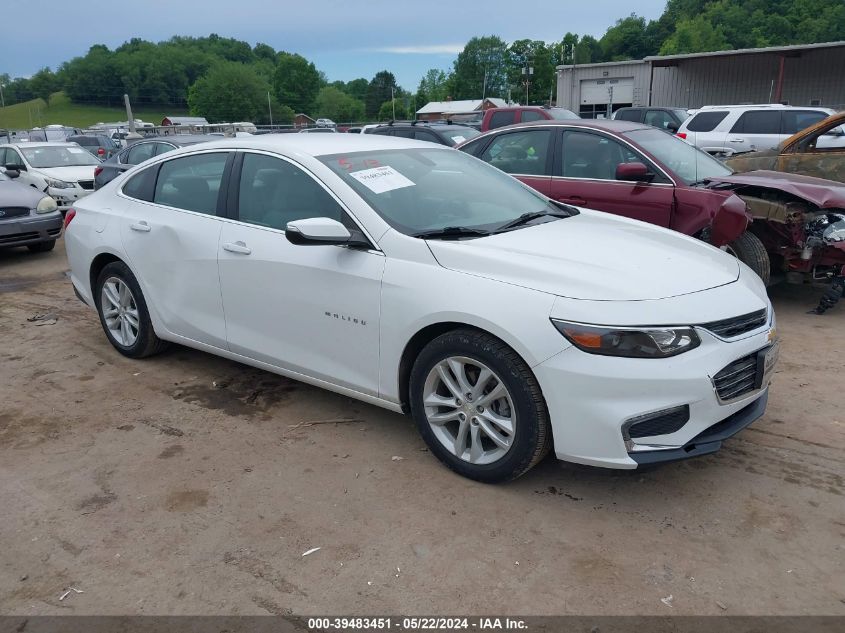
pixel 237 247
pixel 736 140
pixel 141 227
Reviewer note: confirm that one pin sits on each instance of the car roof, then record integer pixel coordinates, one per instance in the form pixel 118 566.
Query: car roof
pixel 319 144
pixel 178 139
pixel 40 144
pixel 608 125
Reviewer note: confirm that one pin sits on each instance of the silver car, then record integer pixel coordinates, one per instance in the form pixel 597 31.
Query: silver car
pixel 27 216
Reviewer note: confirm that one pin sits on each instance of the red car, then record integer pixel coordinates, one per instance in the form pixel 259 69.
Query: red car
pixel 647 174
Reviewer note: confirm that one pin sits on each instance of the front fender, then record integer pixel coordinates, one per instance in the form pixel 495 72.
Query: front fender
pixel 729 221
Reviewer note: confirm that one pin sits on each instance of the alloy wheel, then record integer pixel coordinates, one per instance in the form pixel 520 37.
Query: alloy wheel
pixel 120 312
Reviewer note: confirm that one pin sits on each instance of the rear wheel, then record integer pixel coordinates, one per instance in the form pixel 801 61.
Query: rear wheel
pixel 479 407
pixel 123 313
pixel 748 249
pixel 41 247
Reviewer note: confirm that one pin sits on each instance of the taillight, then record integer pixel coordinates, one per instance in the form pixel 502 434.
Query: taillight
pixel 681 134
pixel 71 213
pixel 100 151
pixel 97 171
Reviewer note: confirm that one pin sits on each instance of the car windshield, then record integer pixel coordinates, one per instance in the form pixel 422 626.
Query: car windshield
pixel 689 163
pixel 46 156
pixel 421 190
pixel 562 114
pixel 459 135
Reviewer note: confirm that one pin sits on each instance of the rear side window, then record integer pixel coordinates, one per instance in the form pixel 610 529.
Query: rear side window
pixel 163 148
pixel 796 120
pixel 141 152
pixel 404 132
pixel 519 152
pixel 758 122
pixel 500 119
pixel 191 183
pixel 706 121
pixel 384 131
pixel 142 185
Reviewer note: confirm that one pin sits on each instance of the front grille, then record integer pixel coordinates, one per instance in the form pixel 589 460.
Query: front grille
pixel 660 423
pixel 728 328
pixel 86 184
pixel 737 379
pixel 6 239
pixel 13 212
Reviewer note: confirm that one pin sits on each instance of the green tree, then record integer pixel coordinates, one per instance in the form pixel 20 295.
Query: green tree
pixel 43 84
pixel 357 88
pixel 297 82
pixel 588 51
pixel 385 112
pixel 380 89
pixel 481 69
pixel 628 39
pixel 695 35
pixel 433 87
pixel 230 91
pixel 532 54
pixel 332 103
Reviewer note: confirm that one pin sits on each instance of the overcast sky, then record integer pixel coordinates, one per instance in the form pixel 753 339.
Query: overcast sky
pixel 345 39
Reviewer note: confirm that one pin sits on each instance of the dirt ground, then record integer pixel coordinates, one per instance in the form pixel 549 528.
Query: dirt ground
pixel 183 485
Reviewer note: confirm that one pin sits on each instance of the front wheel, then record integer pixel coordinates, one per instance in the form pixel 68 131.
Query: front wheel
pixel 479 407
pixel 748 249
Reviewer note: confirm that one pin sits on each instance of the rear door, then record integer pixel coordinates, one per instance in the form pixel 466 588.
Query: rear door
pixel 755 130
pixel 526 154
pixel 170 234
pixel 585 175
pixel 313 310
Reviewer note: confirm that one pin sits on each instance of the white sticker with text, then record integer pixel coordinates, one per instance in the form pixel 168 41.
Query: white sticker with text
pixel 381 179
pixel 75 150
pixel 459 139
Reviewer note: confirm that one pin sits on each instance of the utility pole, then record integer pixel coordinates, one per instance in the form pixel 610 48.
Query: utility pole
pixel 393 102
pixel 527 73
pixel 2 98
pixel 270 107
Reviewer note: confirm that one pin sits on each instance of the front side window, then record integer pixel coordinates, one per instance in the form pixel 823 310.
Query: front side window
pixel 658 118
pixel 689 163
pixel 274 192
pixel 594 156
pixel 58 156
pixel 500 119
pixel 519 152
pixel 531 115
pixel 707 121
pixel 417 190
pixel 192 182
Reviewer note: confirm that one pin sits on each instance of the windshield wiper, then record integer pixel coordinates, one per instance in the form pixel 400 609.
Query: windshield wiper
pixel 451 232
pixel 527 217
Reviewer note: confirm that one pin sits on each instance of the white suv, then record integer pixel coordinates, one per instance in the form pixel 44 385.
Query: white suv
pixel 730 129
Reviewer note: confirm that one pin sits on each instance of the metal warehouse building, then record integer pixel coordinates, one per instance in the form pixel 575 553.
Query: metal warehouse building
pixel 806 74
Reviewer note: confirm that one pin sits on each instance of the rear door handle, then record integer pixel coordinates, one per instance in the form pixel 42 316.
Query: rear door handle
pixel 237 247
pixel 736 140
pixel 141 227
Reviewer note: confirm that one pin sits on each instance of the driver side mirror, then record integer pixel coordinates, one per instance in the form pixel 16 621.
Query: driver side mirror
pixel 672 126
pixel 14 167
pixel 12 173
pixel 323 232
pixel 633 172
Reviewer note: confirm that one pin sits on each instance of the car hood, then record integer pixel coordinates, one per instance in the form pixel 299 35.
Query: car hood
pixel 825 194
pixel 593 256
pixel 68 174
pixel 14 194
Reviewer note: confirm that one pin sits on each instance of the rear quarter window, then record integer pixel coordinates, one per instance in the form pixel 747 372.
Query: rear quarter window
pixel 706 121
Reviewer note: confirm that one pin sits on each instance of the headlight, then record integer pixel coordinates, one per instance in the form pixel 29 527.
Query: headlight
pixel 58 184
pixel 46 205
pixel 629 342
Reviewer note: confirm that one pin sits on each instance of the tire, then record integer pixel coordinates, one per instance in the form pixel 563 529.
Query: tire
pixel 748 249
pixel 530 437
pixel 41 247
pixel 145 342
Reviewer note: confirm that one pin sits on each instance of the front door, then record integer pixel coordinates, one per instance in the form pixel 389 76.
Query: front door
pixel 313 310
pixel 585 176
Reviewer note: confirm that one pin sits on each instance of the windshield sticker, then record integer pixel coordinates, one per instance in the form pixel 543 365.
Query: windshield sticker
pixel 459 139
pixel 75 150
pixel 381 179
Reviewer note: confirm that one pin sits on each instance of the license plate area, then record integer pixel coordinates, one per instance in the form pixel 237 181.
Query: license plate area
pixel 767 358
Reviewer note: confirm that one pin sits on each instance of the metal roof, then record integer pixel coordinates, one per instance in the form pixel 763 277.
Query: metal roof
pixel 459 107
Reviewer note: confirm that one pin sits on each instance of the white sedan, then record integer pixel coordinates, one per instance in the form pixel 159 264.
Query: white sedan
pixel 422 280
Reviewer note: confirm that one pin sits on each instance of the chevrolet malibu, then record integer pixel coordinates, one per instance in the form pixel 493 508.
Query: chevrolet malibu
pixel 425 281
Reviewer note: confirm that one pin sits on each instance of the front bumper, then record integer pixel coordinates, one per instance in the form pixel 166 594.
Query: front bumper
pixel 31 229
pixel 66 197
pixel 590 399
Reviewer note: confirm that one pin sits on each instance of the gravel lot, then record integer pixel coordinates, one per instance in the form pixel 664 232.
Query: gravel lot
pixel 188 484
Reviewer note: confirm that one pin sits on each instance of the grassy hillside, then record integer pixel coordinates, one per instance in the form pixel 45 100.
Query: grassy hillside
pixel 61 110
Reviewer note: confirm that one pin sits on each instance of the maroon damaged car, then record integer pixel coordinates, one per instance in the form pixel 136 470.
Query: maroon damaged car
pixel 769 221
